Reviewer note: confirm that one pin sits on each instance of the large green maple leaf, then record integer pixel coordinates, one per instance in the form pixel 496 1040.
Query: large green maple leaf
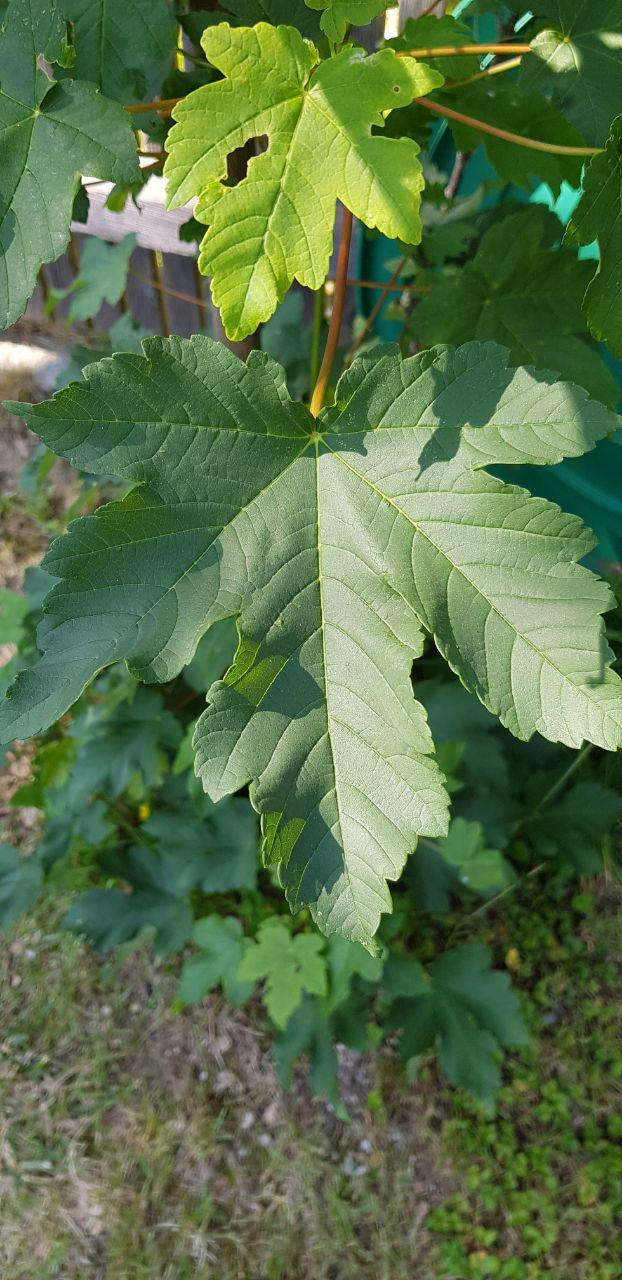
pixel 338 543
pixel 598 216
pixel 277 224
pixel 49 134
pixel 580 54
pixel 124 46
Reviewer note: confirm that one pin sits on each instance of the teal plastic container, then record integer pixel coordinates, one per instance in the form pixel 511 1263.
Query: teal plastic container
pixel 590 487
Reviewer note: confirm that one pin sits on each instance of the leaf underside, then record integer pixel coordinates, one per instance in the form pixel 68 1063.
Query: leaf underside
pixel 338 544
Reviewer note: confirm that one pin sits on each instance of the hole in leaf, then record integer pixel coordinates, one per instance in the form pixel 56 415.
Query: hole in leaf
pixel 238 160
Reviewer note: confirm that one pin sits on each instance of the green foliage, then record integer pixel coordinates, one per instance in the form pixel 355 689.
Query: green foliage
pixel 530 115
pixel 20 884
pixel 276 225
pixel 245 13
pixel 289 965
pixel 599 217
pixel 573 828
pixel 575 52
pixel 122 46
pixel 13 611
pixel 39 119
pixel 222 948
pixel 494 579
pixel 520 290
pixel 465 1006
pixel 338 15
pixel 478 868
pixel 332 550
pixel 431 32
pixel 102 277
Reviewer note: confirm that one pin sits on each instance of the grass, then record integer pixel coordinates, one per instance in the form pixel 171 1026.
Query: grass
pixel 140 1145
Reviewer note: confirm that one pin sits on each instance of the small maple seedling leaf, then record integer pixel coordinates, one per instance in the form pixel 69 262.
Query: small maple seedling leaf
pixel 464 1006
pixel 222 946
pixel 289 965
pixel 338 543
pixel 40 120
pixel 338 15
pixel 276 225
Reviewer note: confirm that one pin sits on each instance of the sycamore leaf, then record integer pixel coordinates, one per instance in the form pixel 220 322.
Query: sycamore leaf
pixel 480 869
pixel 580 55
pixel 289 965
pixel 346 961
pixel 462 1005
pixel 112 748
pixel 291 13
pixel 572 829
pixel 338 15
pixel 108 917
pixel 21 880
pixel 528 114
pixel 276 225
pixel 222 948
pixel 14 609
pixel 224 843
pixel 123 46
pixel 518 291
pixel 598 216
pixel 309 1031
pixel 431 32
pixel 338 543
pixel 102 276
pixel 46 25
pixel 71 122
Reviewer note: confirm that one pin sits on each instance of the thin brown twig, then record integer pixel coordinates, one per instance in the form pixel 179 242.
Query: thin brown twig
pixel 332 342
pixel 361 284
pixel 532 144
pixel 456 175
pixel 429 8
pixel 164 105
pixel 459 50
pixel 375 311
pixel 508 65
pixel 386 285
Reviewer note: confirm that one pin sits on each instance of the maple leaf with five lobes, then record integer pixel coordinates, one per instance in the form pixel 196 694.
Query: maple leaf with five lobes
pixel 69 123
pixel 276 225
pixel 338 543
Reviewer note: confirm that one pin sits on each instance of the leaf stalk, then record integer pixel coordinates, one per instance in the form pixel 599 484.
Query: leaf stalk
pixel 332 342
pixel 459 50
pixel 533 144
